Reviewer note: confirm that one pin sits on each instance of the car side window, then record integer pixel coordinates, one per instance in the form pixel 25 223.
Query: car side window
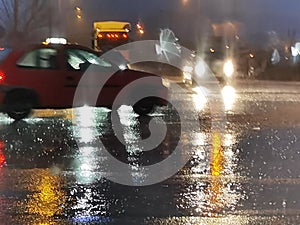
pixel 43 58
pixel 4 52
pixel 78 57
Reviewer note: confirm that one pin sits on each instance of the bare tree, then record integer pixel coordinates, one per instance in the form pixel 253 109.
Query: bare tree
pixel 23 19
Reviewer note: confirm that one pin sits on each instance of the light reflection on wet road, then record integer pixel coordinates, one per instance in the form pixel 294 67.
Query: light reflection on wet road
pixel 52 171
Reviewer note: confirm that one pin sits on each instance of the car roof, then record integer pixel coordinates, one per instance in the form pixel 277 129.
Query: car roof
pixel 63 46
pixel 55 46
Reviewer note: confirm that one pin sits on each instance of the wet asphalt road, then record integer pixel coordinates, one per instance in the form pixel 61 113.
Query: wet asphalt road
pixel 243 165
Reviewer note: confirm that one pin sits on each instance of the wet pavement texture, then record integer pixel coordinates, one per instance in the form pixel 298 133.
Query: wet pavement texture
pixel 243 171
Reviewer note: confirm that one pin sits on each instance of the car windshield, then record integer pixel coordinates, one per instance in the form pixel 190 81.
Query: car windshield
pixel 189 114
pixel 78 56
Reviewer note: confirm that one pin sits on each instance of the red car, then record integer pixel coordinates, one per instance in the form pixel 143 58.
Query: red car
pixel 48 76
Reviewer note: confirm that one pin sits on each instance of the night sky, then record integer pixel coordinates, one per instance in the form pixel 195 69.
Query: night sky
pixel 190 18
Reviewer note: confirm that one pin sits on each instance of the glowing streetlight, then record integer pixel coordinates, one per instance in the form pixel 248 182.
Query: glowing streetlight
pixel 184 2
pixel 140 28
pixel 78 12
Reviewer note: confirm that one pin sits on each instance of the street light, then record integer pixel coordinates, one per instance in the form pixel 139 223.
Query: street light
pixel 140 28
pixel 59 8
pixel 184 2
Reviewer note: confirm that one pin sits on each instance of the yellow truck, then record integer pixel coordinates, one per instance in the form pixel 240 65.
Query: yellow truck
pixel 110 34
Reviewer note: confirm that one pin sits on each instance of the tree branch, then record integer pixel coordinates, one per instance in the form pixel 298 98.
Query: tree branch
pixel 6 9
pixel 37 7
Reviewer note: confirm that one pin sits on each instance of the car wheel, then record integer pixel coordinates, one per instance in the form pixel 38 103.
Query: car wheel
pixel 143 107
pixel 19 114
pixel 19 103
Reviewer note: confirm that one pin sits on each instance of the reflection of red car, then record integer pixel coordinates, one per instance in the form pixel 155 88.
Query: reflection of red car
pixel 2 156
pixel 47 76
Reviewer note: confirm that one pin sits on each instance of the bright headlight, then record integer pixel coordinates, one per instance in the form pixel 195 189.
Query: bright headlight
pixel 200 68
pixel 229 96
pixel 199 98
pixel 187 74
pixel 188 69
pixel 228 68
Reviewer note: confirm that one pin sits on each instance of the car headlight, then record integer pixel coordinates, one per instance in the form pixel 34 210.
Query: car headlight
pixel 188 69
pixel 228 68
pixel 187 76
pixel 187 73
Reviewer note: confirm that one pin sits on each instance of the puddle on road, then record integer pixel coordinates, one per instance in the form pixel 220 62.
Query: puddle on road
pixel 51 173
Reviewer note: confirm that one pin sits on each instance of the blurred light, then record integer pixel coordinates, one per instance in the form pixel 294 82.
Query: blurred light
pixel 200 68
pixel 184 2
pixel 122 67
pixel 187 73
pixel 294 51
pixel 131 138
pixel 140 28
pixel 188 69
pixel 56 40
pixel 251 55
pixel 47 198
pixel 2 76
pixel 199 98
pixel 79 16
pixel 227 46
pixel 211 50
pixel 228 140
pixel 217 156
pixel 228 68
pixel 275 59
pixel 78 8
pixel 297 46
pixel 187 78
pixel 125 36
pixel 86 164
pixel 100 35
pixel 200 139
pixel 86 134
pixel 2 49
pixel 83 219
pixel 229 96
pixel 2 156
pixel 86 116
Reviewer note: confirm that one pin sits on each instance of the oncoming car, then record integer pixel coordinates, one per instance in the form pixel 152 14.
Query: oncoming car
pixel 48 76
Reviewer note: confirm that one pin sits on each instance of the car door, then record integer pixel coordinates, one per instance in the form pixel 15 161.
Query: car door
pixel 38 69
pixel 85 76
